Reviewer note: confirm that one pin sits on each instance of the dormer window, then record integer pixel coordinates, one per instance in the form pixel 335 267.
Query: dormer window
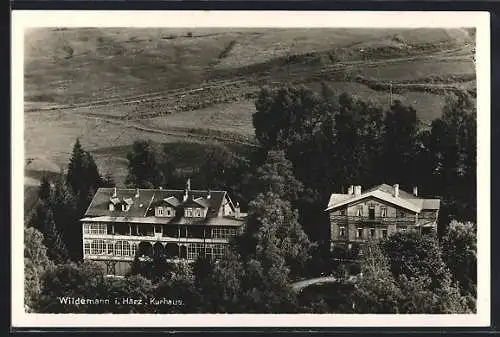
pixel 188 212
pixel 124 207
pixel 169 211
pixel 159 211
pixel 359 211
pixel 198 213
pixel 111 207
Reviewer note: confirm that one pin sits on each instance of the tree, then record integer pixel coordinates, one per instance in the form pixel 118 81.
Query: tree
pixel 413 254
pixel 423 277
pixel 452 142
pixel 44 191
pixel 459 252
pixel 144 165
pixel 67 210
pixel 358 140
pixel 282 115
pixel 83 176
pixel 56 249
pixel 376 290
pixel 269 212
pixel 223 169
pixel 400 145
pixel 276 176
pixel 73 281
pixel 36 262
pixel 130 287
pixel 220 291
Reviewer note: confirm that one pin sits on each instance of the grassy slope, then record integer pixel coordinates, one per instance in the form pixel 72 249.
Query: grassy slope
pixel 71 66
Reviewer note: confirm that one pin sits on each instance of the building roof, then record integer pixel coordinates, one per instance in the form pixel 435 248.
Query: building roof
pixel 142 202
pixel 385 193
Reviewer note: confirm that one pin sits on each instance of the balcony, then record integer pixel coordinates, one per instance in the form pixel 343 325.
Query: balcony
pixel 373 221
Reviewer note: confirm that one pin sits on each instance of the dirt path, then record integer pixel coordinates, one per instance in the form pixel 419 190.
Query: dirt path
pixel 175 133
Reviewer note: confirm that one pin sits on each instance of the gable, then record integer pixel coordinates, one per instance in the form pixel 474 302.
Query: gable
pixel 382 196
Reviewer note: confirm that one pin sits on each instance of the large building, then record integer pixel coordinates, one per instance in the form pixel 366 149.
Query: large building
pixel 377 213
pixel 179 224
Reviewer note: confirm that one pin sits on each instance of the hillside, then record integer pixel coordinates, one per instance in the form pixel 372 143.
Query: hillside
pixel 179 86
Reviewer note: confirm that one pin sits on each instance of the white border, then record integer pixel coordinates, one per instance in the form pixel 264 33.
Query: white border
pixel 193 19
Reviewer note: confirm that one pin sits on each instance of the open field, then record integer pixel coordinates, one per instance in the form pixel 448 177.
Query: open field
pixel 188 88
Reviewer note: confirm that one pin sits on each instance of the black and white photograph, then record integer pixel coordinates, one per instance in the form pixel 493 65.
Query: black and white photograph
pixel 250 163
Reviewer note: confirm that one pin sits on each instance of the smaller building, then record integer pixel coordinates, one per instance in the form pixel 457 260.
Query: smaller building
pixel 357 216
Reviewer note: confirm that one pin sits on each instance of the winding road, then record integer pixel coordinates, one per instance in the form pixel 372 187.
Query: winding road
pixel 298 286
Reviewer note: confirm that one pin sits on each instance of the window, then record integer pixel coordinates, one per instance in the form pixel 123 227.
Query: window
pixel 198 212
pixel 372 233
pixel 119 248
pixel 86 248
pixel 342 211
pixel 97 247
pixel 194 250
pixel 359 233
pixel 110 248
pixel 342 231
pixel 359 211
pixel 223 233
pixel 159 211
pixel 402 213
pixel 124 207
pixel 158 229
pixel 109 229
pixel 218 251
pixel 95 228
pixel 384 233
pixel 111 207
pixel 126 248
pixel 133 249
pixel 188 212
pixel 169 211
pixel 371 213
pixel 383 211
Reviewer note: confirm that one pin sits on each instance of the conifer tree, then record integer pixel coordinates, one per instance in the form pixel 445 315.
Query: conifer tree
pixel 36 263
pixel 56 249
pixel 144 165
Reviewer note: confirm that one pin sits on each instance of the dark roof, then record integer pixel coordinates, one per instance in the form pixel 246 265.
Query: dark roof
pixel 147 197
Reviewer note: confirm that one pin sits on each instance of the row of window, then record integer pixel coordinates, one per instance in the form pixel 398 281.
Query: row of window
pixel 95 228
pixel 223 233
pixel 371 212
pixel 215 251
pixel 101 247
pixel 151 230
pixel 372 233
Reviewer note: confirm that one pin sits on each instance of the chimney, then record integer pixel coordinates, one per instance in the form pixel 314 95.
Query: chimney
pixel 137 193
pixel 357 190
pixel 415 191
pixel 237 210
pixel 396 191
pixel 208 195
pixel 114 192
pixel 350 190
